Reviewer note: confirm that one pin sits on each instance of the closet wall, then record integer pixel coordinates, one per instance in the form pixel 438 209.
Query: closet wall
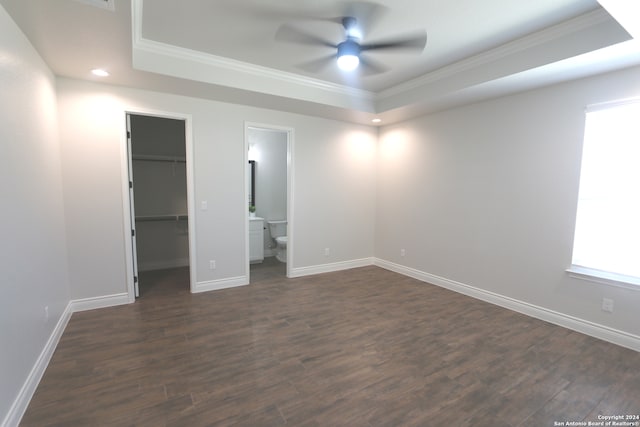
pixel 160 192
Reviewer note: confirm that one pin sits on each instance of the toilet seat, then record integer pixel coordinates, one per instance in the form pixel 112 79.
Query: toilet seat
pixel 282 240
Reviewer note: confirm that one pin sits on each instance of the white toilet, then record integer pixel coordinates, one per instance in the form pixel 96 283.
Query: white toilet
pixel 278 230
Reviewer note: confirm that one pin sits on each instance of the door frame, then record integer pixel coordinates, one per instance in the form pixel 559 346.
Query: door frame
pixel 126 203
pixel 290 132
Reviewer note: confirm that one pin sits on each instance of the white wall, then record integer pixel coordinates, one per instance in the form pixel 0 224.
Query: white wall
pixel 334 193
pixel 334 184
pixel 485 195
pixel 33 258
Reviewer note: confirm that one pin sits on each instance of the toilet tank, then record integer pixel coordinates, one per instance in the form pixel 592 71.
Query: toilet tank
pixel 277 228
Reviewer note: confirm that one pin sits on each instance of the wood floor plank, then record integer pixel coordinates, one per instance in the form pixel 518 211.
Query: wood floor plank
pixel 362 347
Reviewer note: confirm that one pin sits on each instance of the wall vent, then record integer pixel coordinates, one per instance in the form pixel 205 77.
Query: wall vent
pixel 102 4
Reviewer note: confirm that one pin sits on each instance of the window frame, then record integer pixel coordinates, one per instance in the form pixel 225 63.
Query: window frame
pixel 592 274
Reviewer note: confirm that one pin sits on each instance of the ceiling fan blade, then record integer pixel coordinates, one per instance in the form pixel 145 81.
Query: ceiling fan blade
pixel 289 33
pixel 365 13
pixel 413 41
pixel 370 67
pixel 317 65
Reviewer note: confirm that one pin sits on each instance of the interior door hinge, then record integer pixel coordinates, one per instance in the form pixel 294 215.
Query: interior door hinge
pixel 128 135
pixel 135 279
pixel 130 184
pixel 133 233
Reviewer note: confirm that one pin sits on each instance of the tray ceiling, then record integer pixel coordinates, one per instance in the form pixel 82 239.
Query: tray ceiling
pixel 227 50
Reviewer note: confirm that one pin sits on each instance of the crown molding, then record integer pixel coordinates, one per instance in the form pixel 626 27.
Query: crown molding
pixel 263 76
pixel 485 73
pixel 548 35
pixel 246 68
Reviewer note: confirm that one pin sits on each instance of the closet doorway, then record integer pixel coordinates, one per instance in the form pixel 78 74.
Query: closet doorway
pixel 158 189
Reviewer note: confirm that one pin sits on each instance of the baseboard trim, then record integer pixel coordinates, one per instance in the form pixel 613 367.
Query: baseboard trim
pixel 586 327
pixel 20 404
pixel 328 268
pixel 215 285
pixel 99 302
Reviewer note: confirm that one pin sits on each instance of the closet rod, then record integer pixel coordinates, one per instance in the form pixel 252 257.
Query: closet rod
pixel 162 218
pixel 149 158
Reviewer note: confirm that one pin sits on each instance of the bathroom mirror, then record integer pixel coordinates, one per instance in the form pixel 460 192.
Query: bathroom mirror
pixel 252 182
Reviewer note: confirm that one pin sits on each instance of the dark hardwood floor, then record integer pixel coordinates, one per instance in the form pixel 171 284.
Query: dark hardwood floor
pixel 269 269
pixel 363 347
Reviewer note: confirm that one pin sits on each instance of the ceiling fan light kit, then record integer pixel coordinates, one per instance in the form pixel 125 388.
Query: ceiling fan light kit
pixel 349 52
pixel 348 55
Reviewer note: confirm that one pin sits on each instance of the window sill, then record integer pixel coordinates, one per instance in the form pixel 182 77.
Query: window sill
pixel 604 277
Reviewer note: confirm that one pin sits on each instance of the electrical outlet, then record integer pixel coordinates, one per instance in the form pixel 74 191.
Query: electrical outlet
pixel 403 252
pixel 326 251
pixel 212 264
pixel 204 205
pixel 607 305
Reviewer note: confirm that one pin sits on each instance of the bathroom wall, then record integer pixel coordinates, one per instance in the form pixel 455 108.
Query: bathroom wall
pixel 269 149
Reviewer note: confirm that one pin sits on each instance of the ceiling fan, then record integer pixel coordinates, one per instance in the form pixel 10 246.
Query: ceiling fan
pixel 352 53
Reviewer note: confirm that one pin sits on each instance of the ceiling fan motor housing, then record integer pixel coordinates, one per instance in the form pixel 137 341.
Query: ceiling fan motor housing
pixel 348 54
pixel 349 47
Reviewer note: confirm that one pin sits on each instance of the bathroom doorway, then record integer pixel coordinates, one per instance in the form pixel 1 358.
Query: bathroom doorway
pixel 269 189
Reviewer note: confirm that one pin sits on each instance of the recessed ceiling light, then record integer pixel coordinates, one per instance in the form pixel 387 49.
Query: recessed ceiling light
pixel 100 72
pixel 376 120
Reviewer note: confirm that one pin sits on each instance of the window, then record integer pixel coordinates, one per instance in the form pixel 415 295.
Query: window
pixel 607 234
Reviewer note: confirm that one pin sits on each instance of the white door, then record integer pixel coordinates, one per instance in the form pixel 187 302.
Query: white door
pixel 133 212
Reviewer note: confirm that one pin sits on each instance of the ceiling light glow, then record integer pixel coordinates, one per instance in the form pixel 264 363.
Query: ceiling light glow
pixel 354 32
pixel 376 120
pixel 348 62
pixel 100 72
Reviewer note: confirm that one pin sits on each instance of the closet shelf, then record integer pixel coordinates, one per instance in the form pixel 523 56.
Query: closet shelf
pixel 156 158
pixel 162 218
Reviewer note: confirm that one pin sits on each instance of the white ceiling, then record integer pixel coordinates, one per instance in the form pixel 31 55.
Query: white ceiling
pixel 245 30
pixel 227 50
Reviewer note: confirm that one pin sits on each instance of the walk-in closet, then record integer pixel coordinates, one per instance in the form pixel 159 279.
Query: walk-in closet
pixel 159 196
